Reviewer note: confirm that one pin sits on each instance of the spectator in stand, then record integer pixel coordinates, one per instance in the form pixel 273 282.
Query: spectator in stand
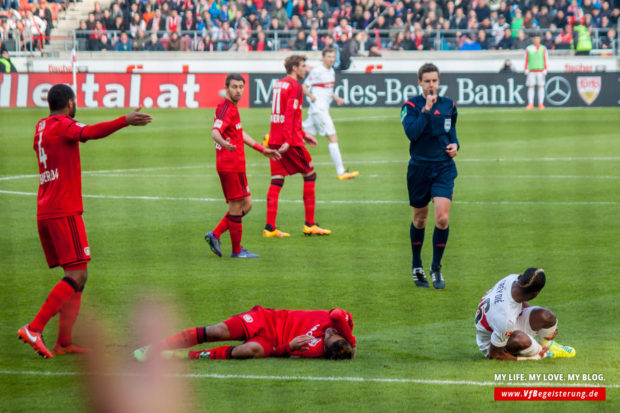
pixel 264 18
pixel 249 8
pixel 279 13
pixel 95 35
pixel 544 19
pixel 484 41
pixel 241 45
pixel 157 23
pixel 189 23
pixel 207 45
pixel 261 43
pixel 400 43
pixel 119 24
pixel 225 37
pixel 124 43
pixel 153 44
pixel 482 10
pixel 90 22
pixel 320 5
pixel 459 21
pixel 548 41
pixel 468 43
pixel 45 14
pixel 521 42
pixel 34 31
pixel 608 42
pixel 565 39
pixel 82 33
pixel 560 19
pixel 136 24
pixel 103 43
pixel 148 14
pixel 313 41
pixel 499 27
pixel 107 19
pixel 175 43
pixel 506 42
pixel 343 27
pixel 173 22
pixel 300 41
pixel 140 40
pixel 517 23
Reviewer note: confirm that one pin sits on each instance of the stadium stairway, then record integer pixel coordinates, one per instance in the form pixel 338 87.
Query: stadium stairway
pixel 61 39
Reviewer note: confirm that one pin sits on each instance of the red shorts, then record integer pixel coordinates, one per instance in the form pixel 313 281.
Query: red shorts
pixel 253 326
pixel 64 241
pixel 234 185
pixel 296 160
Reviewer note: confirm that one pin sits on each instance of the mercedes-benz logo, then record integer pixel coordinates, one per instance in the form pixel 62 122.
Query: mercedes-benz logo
pixel 557 90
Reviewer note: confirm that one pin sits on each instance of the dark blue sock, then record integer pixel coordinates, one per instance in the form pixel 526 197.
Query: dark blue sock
pixel 440 238
pixel 417 239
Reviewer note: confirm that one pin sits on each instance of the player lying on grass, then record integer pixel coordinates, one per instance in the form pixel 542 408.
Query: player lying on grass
pixel 266 333
pixel 508 328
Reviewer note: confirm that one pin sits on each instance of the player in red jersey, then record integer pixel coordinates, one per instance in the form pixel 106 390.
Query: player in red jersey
pixel 267 333
pixel 229 138
pixel 287 136
pixel 59 213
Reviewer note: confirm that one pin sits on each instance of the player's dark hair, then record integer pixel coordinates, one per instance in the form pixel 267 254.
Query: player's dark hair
pixel 532 280
pixel 328 50
pixel 427 68
pixel 59 96
pixel 234 76
pixel 339 350
pixel 292 61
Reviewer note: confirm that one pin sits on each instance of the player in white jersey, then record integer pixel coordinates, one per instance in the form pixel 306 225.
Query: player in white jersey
pixel 508 328
pixel 319 87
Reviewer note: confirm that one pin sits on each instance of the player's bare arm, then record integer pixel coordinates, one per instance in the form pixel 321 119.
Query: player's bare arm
pixel 500 353
pixel 310 139
pixel 136 118
pixel 339 101
pixel 217 137
pixel 308 93
pixel 269 153
pixel 300 343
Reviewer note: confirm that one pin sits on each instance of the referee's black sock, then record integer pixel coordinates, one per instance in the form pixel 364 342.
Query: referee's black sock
pixel 440 238
pixel 417 239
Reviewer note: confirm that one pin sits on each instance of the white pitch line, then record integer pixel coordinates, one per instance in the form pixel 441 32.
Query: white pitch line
pixel 315 378
pixel 355 202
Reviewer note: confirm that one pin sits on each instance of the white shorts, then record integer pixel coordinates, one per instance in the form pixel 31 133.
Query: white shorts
pixel 483 338
pixel 319 123
pixel 535 79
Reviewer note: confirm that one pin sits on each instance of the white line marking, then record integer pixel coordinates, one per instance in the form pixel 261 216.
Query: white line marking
pixel 343 201
pixel 315 378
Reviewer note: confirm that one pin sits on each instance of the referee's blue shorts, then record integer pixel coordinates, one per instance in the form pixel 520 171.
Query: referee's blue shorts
pixel 426 180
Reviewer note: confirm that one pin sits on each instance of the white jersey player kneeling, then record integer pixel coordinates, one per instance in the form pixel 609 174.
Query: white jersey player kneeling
pixel 508 328
pixel 319 87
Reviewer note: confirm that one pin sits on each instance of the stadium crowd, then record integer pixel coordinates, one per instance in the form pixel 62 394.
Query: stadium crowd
pixel 356 27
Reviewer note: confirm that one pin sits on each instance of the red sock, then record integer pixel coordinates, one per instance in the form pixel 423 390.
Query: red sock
pixel 235 226
pixel 218 353
pixel 272 201
pixel 186 338
pixel 221 227
pixel 309 198
pixel 58 297
pixel 67 317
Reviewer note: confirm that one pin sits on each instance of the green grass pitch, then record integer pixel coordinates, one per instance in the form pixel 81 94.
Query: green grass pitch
pixel 534 189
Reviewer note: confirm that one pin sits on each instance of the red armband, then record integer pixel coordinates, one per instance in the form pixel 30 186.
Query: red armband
pixel 257 146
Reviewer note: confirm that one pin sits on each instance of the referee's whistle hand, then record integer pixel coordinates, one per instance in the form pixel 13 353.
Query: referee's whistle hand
pixel 451 150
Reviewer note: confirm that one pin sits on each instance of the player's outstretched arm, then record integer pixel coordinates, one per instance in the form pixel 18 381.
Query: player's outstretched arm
pixel 217 137
pixel 136 118
pixel 269 153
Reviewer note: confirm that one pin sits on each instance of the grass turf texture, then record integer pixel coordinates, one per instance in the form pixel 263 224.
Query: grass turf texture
pixel 534 189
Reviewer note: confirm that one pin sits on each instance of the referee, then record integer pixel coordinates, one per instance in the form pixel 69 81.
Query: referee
pixel 429 121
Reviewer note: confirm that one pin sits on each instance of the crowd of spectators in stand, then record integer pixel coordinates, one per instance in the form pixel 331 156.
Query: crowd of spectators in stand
pixel 354 26
pixel 28 23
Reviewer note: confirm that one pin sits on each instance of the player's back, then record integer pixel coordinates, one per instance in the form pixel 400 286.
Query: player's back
pixel 497 310
pixel 56 142
pixel 286 113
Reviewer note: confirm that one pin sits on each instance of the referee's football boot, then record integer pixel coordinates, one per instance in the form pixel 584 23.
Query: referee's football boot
pixel 420 278
pixel 214 243
pixel 556 351
pixel 243 254
pixel 438 282
pixel 314 229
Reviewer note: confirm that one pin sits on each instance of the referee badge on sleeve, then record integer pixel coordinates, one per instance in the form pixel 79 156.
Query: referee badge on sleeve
pixel 447 124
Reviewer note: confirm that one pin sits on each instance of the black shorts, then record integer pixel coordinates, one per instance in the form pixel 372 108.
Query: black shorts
pixel 426 180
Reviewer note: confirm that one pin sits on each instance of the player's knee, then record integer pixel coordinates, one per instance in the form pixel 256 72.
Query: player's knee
pixel 517 342
pixel 542 318
pixel 419 222
pixel 247 206
pixel 310 177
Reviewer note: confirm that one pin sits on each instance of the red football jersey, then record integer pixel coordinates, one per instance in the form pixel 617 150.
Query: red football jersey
pixel 286 113
pixel 56 143
pixel 282 326
pixel 228 123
